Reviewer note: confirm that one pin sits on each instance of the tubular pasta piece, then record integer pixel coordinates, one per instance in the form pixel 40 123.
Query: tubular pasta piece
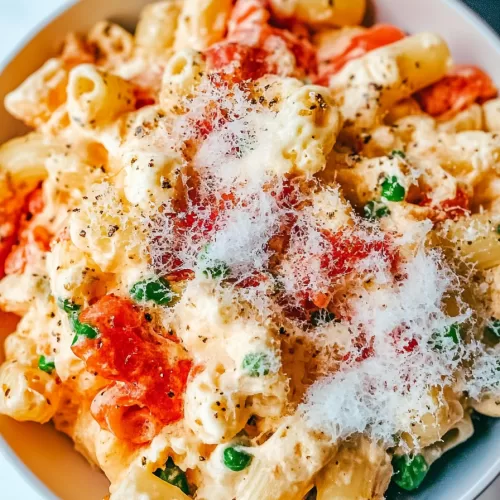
pixel 321 12
pixel 458 434
pixel 370 85
pixel 488 405
pixel 285 465
pixel 96 98
pixel 202 23
pixel 492 115
pixel 181 77
pixel 361 470
pixel 307 127
pixel 474 238
pixel 471 118
pixel 434 426
pixel 113 44
pixel 155 32
pixel 138 482
pixel 27 394
pixel 24 159
pixel 39 95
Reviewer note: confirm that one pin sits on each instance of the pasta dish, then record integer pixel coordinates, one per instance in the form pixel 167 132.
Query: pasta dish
pixel 254 249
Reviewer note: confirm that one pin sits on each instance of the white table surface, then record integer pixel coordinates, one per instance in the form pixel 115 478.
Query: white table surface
pixel 17 17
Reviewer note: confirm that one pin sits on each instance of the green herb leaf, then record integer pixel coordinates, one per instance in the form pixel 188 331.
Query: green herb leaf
pixel 67 305
pixel 321 317
pixel 83 330
pixel 155 290
pixel 492 329
pixel 409 472
pixel 398 152
pixel 375 210
pixel 256 364
pixel 236 460
pixel 452 332
pixel 173 475
pixel 218 270
pixel 80 329
pixel 45 365
pixel 392 190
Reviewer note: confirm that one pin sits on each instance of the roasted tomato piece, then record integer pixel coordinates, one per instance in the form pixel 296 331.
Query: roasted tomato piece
pixel 249 25
pixel 464 86
pixel 119 409
pixel 151 372
pixel 348 250
pixel 449 209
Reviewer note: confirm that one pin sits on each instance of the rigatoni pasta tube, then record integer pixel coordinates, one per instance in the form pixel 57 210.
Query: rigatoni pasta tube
pixel 202 23
pixel 39 95
pixel 367 87
pixel 28 394
pixel 474 238
pixel 284 466
pixel 488 405
pixel 96 98
pixel 461 432
pixel 422 59
pixel 360 471
pixel 23 160
pixel 138 482
pixel 322 12
pixel 181 77
pixel 157 25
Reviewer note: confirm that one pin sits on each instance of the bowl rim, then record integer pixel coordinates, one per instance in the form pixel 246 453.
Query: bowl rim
pixel 6 452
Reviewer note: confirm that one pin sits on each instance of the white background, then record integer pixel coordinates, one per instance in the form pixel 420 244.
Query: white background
pixel 17 17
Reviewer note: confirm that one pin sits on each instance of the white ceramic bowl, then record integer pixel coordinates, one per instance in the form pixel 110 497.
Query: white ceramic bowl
pixel 46 458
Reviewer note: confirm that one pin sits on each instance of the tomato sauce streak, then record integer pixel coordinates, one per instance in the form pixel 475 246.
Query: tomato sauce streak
pixel 30 237
pixel 150 372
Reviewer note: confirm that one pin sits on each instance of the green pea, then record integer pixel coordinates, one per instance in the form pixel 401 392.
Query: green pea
pixel 236 460
pixel 398 152
pixel 409 472
pixel 155 290
pixel 498 229
pixel 375 210
pixel 492 329
pixel 321 317
pixel 392 190
pixel 45 365
pixel 256 364
pixel 173 475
